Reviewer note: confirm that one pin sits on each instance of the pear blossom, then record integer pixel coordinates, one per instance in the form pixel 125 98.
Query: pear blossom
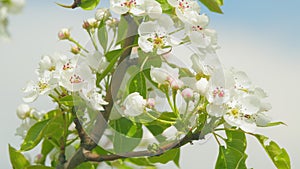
pixel 199 34
pixel 153 35
pixel 166 74
pixel 23 111
pixel 76 79
pixel 202 86
pixel 92 96
pixel 44 86
pixel 24 127
pixel 137 7
pixel 102 14
pixel 186 10
pixel 97 61
pixel 134 104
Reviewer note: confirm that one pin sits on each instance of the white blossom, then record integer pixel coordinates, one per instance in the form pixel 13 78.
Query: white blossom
pixel 154 35
pixel 134 104
pixel 24 111
pixel 186 10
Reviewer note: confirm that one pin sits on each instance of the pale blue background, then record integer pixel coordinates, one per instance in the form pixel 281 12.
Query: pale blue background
pixel 259 37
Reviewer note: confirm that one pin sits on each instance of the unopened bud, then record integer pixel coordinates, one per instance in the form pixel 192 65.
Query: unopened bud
pixel 64 34
pixel 187 93
pixel 112 23
pixel 75 50
pixel 102 14
pixel 150 103
pixel 90 24
pixel 23 111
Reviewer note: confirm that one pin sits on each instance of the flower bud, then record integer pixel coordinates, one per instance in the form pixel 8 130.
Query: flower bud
pixel 23 111
pixel 75 50
pixel 150 103
pixel 112 23
pixel 187 93
pixel 134 104
pixel 201 86
pixel 64 34
pixel 38 158
pixel 90 24
pixel 176 84
pixel 102 14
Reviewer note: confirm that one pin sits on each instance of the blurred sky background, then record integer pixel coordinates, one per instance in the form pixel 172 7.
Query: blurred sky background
pixel 259 37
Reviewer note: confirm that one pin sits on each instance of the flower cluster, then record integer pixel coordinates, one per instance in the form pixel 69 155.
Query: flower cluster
pixel 198 86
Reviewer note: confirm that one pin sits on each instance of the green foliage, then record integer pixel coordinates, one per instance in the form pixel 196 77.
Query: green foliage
pixel 278 155
pixel 38 167
pixel 128 135
pixel 233 155
pixel 103 35
pixel 34 135
pixel 47 147
pixel 86 165
pixel 213 5
pixel 122 30
pixel 138 84
pixel 89 4
pixel 169 155
pixel 17 159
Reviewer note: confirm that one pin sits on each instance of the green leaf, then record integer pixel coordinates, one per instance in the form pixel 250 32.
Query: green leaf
pixel 39 167
pixel 34 135
pixel 272 124
pixel 89 4
pixel 278 155
pixel 169 155
pixel 212 5
pixel 128 135
pixel 103 35
pixel 86 165
pixel 233 156
pixel 122 30
pixel 112 57
pixel 55 129
pixel 71 100
pixel 140 161
pixel 17 159
pixel 166 7
pixel 138 84
pixel 47 147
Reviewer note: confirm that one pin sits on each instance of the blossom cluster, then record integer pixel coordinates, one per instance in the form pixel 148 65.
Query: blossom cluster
pixel 205 87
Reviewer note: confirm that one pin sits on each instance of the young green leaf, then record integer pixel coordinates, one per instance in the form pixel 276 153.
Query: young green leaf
pixel 233 156
pixel 17 159
pixel 169 155
pixel 278 155
pixel 122 30
pixel 138 84
pixel 47 147
pixel 34 135
pixel 212 5
pixel 128 135
pixel 89 4
pixel 103 35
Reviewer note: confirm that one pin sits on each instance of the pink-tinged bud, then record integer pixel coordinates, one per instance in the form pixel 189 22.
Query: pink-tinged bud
pixel 175 84
pixel 64 34
pixel 75 50
pixel 187 93
pixel 150 103
pixel 90 24
pixel 38 158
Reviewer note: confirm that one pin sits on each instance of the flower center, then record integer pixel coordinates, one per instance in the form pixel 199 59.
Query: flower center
pixel 183 5
pixel 75 79
pixel 129 3
pixel 219 92
pixel 42 86
pixel 235 113
pixel 197 28
pixel 158 41
pixel 52 68
pixel 67 66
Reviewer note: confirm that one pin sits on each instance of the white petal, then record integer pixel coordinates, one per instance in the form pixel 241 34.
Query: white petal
pixel 147 28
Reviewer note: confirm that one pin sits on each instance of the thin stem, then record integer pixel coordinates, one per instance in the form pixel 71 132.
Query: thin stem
pixel 92 36
pixel 160 120
pixel 76 43
pixel 217 139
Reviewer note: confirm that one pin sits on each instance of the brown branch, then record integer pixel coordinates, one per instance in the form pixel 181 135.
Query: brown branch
pixel 89 142
pixel 75 4
pixel 100 158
